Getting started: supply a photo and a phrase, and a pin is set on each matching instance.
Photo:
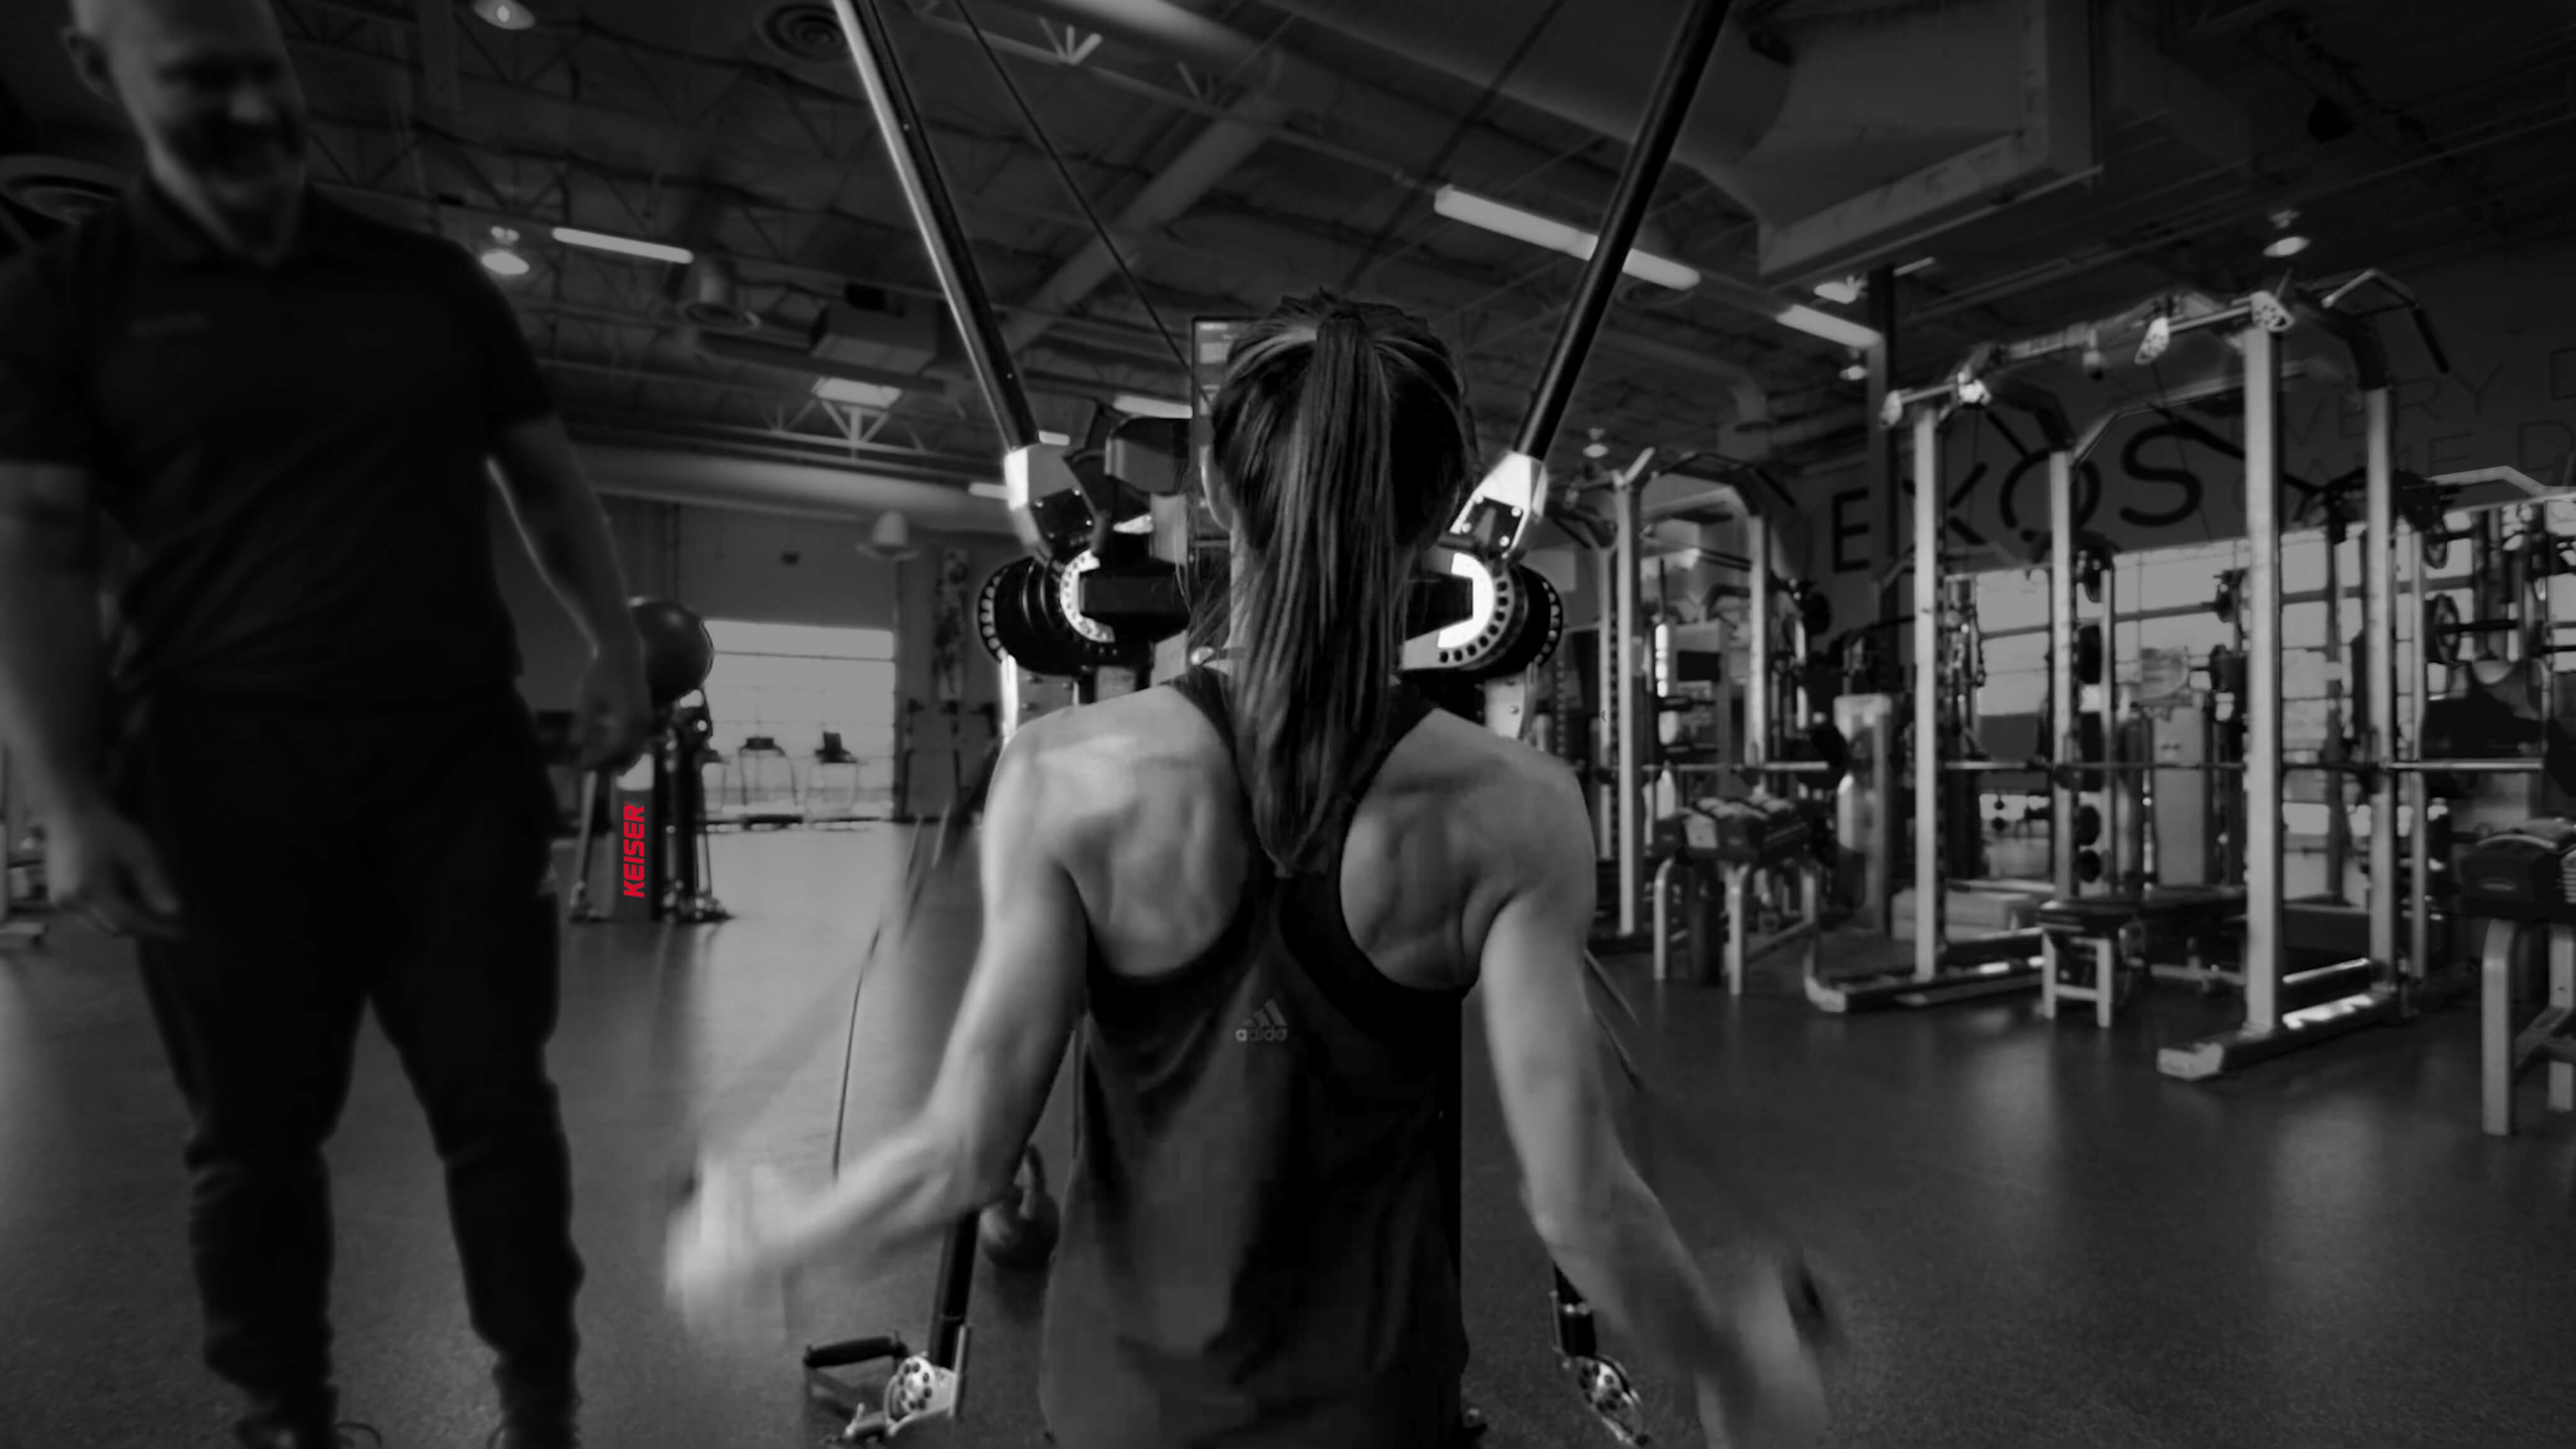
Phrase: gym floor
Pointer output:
(2033, 1238)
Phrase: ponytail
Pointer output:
(1342, 435)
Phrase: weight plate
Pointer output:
(1068, 596)
(1068, 651)
(1538, 624)
(2442, 630)
(1478, 653)
(1019, 631)
(988, 610)
(1816, 612)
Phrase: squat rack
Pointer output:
(2282, 1012)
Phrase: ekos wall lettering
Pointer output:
(2161, 479)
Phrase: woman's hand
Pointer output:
(1775, 1398)
(723, 1267)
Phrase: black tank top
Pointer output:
(1255, 1248)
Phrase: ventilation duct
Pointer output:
(60, 189)
(796, 489)
(714, 303)
(889, 333)
(1871, 132)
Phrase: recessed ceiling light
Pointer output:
(506, 14)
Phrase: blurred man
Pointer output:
(304, 779)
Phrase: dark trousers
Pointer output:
(329, 859)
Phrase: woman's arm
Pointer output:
(1021, 1005)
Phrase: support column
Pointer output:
(1605, 713)
(2262, 350)
(2419, 847)
(1927, 692)
(1880, 359)
(2062, 699)
(2379, 680)
(1757, 653)
(1631, 777)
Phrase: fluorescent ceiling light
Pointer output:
(1540, 231)
(1827, 326)
(624, 246)
(1141, 406)
(1056, 440)
(989, 490)
(857, 394)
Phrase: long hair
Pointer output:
(1344, 446)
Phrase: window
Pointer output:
(793, 682)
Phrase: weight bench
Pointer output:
(2076, 927)
(2201, 924)
(2507, 1048)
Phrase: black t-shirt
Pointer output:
(293, 457)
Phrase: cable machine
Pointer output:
(1095, 599)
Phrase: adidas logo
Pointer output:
(1267, 1024)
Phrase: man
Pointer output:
(305, 780)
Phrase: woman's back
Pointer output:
(1256, 1244)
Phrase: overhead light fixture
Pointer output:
(989, 490)
(1053, 440)
(1919, 264)
(1841, 291)
(2290, 242)
(502, 258)
(1137, 405)
(857, 394)
(1856, 372)
(505, 14)
(624, 246)
(1556, 236)
(1826, 325)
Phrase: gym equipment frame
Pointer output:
(1044, 493)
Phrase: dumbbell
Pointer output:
(1019, 1233)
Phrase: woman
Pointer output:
(1265, 892)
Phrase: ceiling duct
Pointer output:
(706, 480)
(1872, 132)
(805, 32)
(881, 332)
(59, 188)
(715, 299)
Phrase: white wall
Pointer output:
(740, 565)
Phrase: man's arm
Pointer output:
(53, 670)
(1021, 1006)
(1598, 1217)
(566, 530)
